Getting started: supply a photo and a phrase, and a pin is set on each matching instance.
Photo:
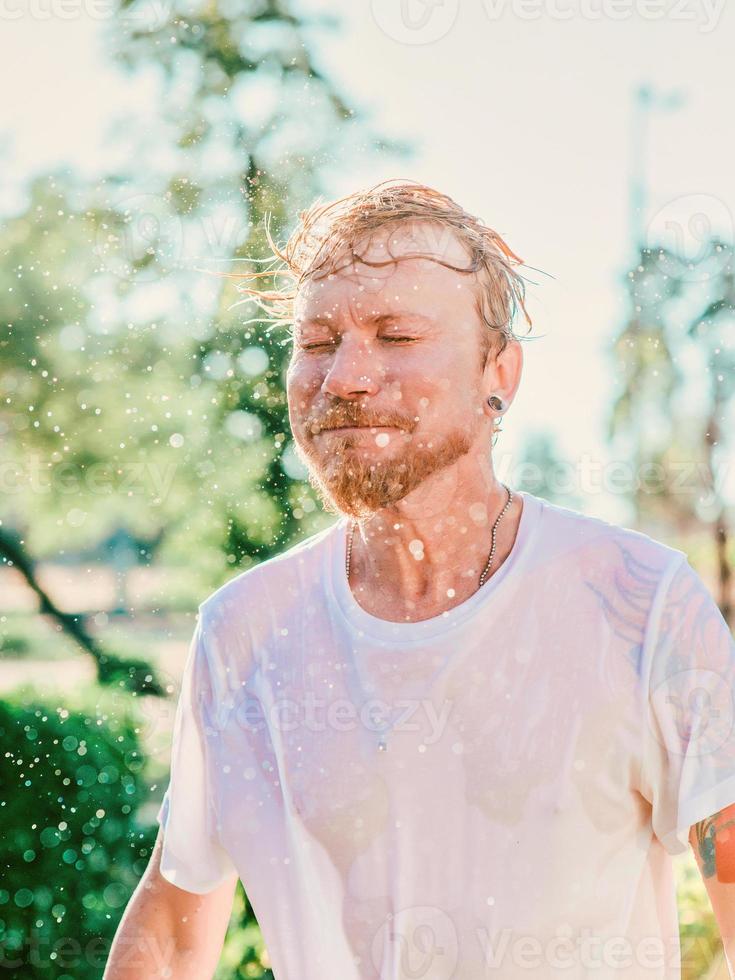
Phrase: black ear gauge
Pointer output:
(496, 403)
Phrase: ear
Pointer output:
(501, 377)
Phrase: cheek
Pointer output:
(303, 378)
(443, 403)
(423, 400)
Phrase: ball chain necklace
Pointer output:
(382, 744)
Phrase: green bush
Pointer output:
(72, 850)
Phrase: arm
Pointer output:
(713, 843)
(168, 932)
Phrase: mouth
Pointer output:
(358, 428)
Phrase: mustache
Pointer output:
(338, 418)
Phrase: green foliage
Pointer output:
(673, 355)
(698, 930)
(14, 645)
(244, 954)
(73, 847)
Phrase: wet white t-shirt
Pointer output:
(549, 742)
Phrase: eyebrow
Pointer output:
(329, 321)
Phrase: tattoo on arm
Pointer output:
(715, 844)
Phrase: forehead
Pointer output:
(393, 266)
(404, 238)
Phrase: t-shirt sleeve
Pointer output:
(689, 728)
(193, 857)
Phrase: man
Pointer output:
(460, 732)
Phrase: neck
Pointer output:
(426, 553)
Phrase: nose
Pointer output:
(353, 371)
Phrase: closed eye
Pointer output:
(330, 343)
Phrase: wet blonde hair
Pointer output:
(326, 230)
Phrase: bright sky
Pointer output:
(520, 109)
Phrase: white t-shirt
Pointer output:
(554, 737)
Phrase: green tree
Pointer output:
(674, 356)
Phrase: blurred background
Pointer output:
(145, 449)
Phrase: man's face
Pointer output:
(393, 351)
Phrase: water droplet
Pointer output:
(416, 547)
